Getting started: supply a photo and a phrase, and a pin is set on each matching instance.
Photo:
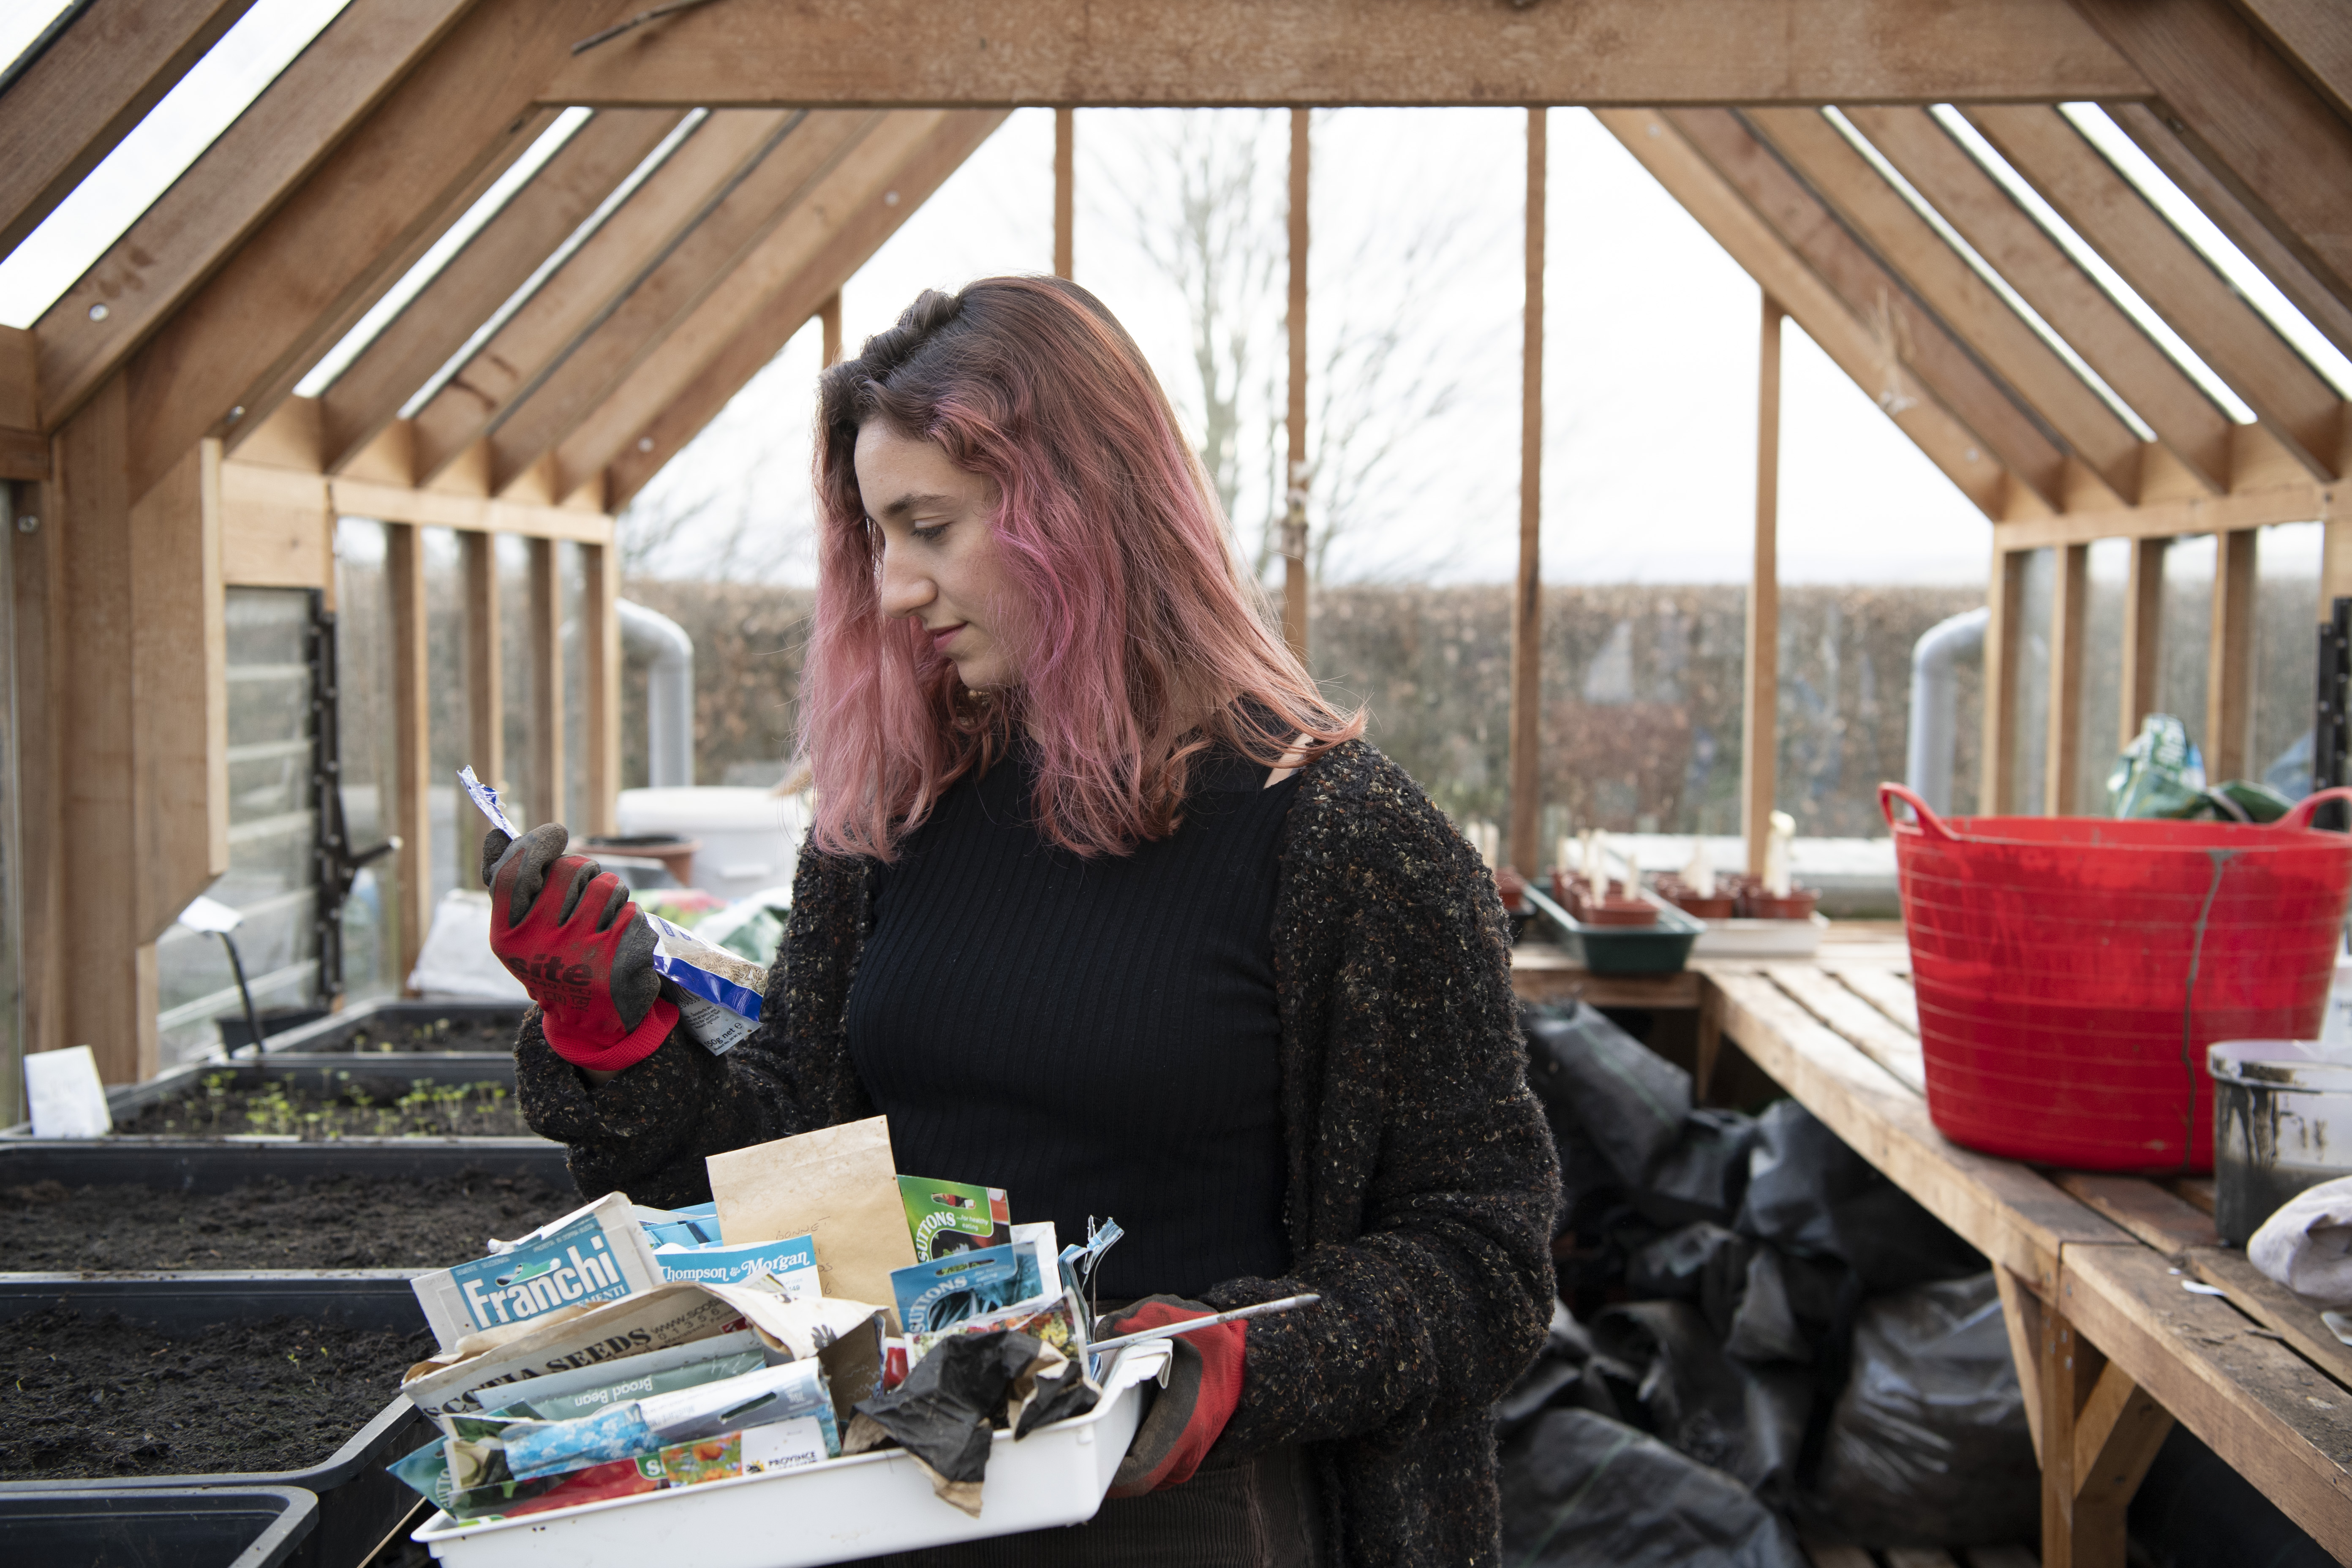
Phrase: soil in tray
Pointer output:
(326, 1222)
(366, 1105)
(90, 1395)
(378, 1035)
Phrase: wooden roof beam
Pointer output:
(2187, 421)
(1278, 53)
(723, 150)
(732, 335)
(2314, 37)
(1907, 330)
(2247, 231)
(195, 226)
(1810, 301)
(702, 261)
(2293, 403)
(65, 110)
(483, 276)
(367, 212)
(1909, 246)
(2250, 114)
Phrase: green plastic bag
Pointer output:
(2160, 774)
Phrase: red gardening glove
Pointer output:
(1203, 1385)
(566, 929)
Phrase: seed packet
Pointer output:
(792, 1264)
(1059, 1321)
(540, 1405)
(954, 1216)
(590, 1256)
(959, 1284)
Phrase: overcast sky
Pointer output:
(1650, 361)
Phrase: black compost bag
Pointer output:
(1746, 1421)
(1929, 1444)
(1786, 1308)
(1809, 1195)
(1703, 1264)
(1581, 1490)
(1605, 1089)
(2194, 1511)
(1704, 1174)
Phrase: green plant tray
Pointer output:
(1661, 948)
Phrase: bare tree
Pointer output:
(1382, 378)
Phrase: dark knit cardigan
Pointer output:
(1421, 1181)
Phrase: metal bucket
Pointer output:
(2282, 1122)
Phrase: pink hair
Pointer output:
(1146, 644)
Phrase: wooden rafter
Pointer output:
(1910, 248)
(1904, 329)
(1281, 53)
(681, 386)
(632, 239)
(2293, 403)
(196, 225)
(2314, 37)
(734, 231)
(98, 77)
(480, 278)
(1825, 317)
(2329, 313)
(367, 212)
(2250, 114)
(2046, 277)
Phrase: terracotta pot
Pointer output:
(1796, 906)
(1512, 886)
(1620, 912)
(1718, 908)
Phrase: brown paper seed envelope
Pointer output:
(837, 1185)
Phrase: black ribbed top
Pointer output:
(1094, 1037)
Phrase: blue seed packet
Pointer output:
(933, 1296)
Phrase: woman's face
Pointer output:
(941, 564)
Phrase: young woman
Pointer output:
(1105, 906)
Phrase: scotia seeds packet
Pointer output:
(954, 1216)
(589, 1256)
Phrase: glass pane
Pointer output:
(2097, 738)
(363, 652)
(2032, 684)
(571, 581)
(2287, 655)
(514, 666)
(2187, 633)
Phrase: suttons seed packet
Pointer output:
(956, 1286)
(954, 1216)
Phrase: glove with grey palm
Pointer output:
(566, 929)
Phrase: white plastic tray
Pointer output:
(1760, 939)
(838, 1511)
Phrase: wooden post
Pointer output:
(2063, 749)
(36, 585)
(2099, 1432)
(828, 318)
(600, 641)
(2230, 657)
(2143, 636)
(1997, 784)
(1759, 743)
(546, 686)
(1526, 854)
(412, 820)
(1066, 175)
(1294, 521)
(486, 718)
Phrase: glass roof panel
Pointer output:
(159, 148)
(428, 266)
(2185, 216)
(2126, 297)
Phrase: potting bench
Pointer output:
(2124, 1312)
